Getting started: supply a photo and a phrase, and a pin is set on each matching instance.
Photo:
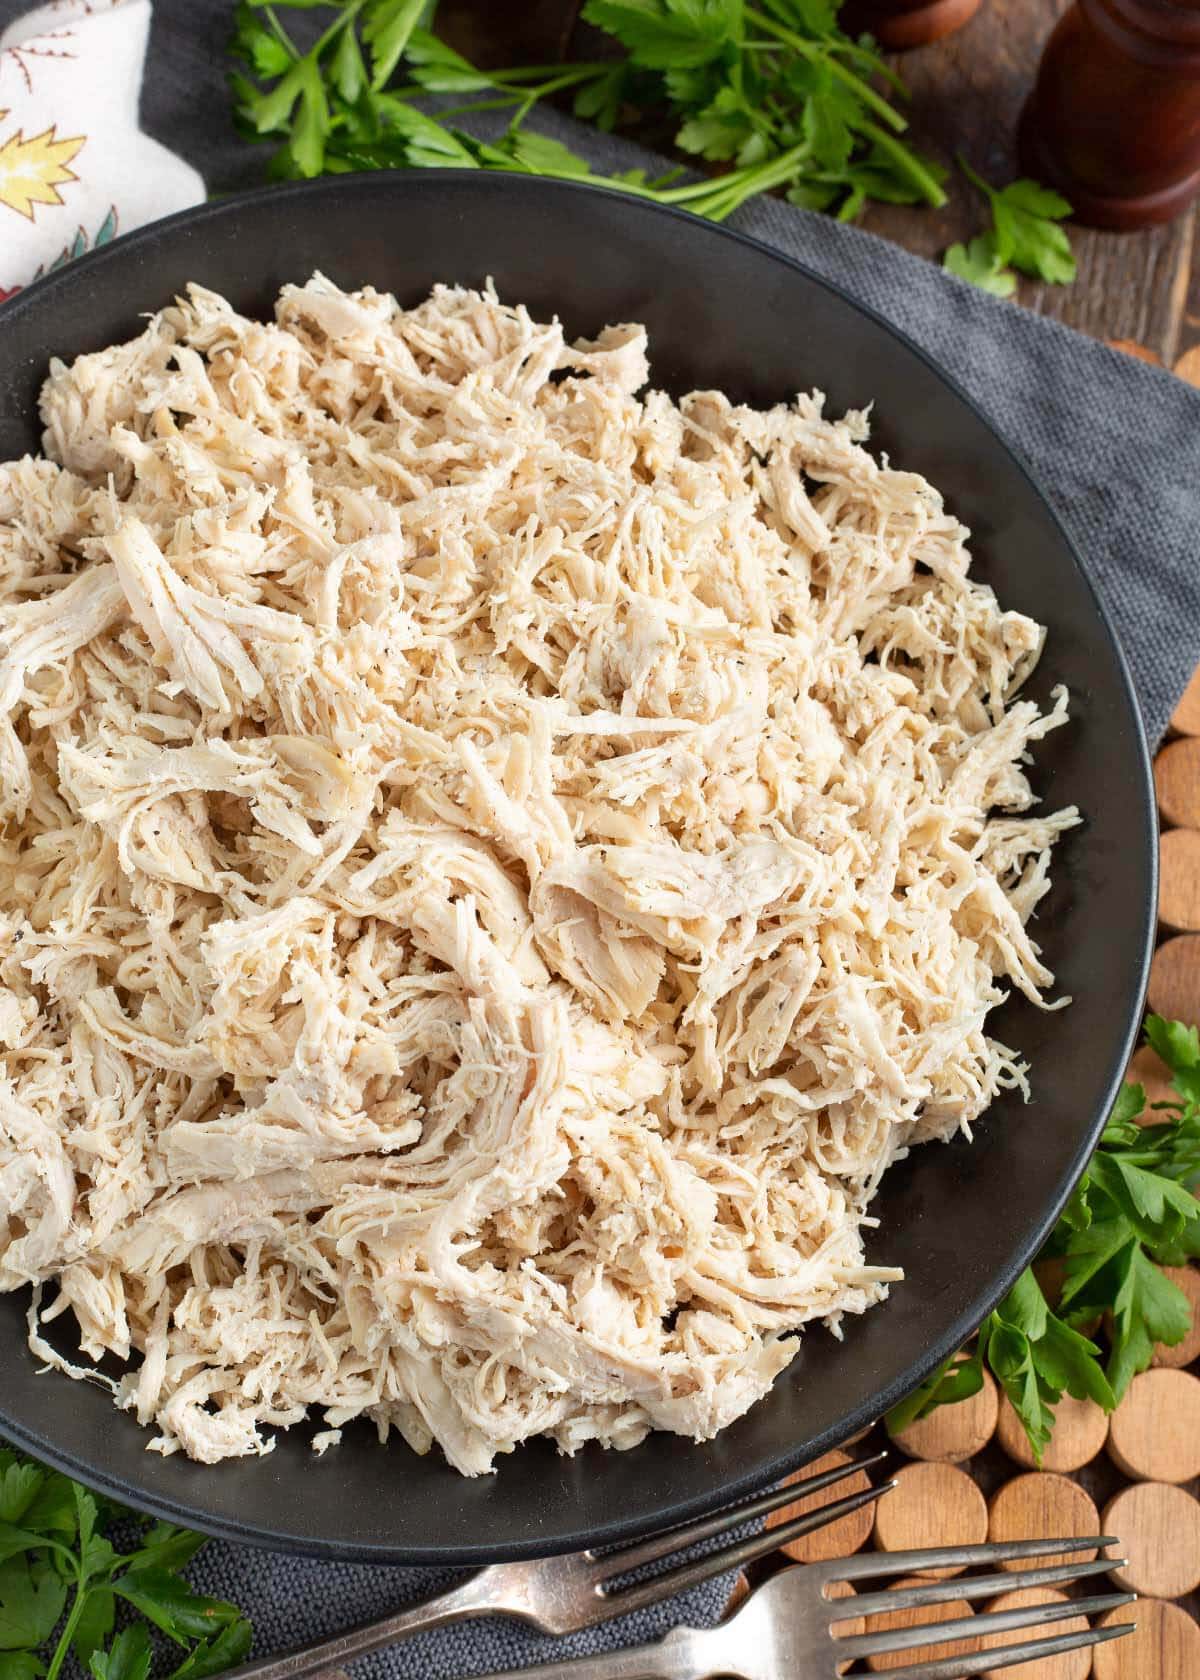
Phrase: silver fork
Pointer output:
(786, 1630)
(564, 1594)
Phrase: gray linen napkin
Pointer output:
(1114, 444)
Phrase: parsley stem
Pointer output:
(813, 49)
(82, 1589)
(344, 21)
(905, 161)
(719, 198)
(281, 34)
(530, 72)
(530, 96)
(976, 181)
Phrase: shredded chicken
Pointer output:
(493, 869)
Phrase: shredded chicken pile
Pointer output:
(493, 870)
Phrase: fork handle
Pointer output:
(478, 1595)
(685, 1654)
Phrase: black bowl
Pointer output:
(961, 1219)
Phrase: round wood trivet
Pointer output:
(1165, 1646)
(852, 1626)
(1154, 1434)
(1188, 367)
(950, 1612)
(1186, 716)
(1131, 347)
(931, 1505)
(1179, 880)
(738, 1593)
(1080, 1431)
(1177, 782)
(1175, 983)
(1072, 1665)
(1042, 1506)
(953, 1433)
(1158, 1532)
(853, 1440)
(838, 1539)
(1185, 1352)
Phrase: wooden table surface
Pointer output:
(966, 94)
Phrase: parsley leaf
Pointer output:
(1147, 1308)
(1025, 231)
(20, 1665)
(224, 1650)
(165, 1599)
(980, 262)
(667, 34)
(128, 1658)
(32, 1597)
(1027, 217)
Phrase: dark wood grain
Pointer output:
(967, 92)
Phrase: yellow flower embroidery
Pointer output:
(31, 171)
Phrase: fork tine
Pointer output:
(983, 1662)
(972, 1627)
(964, 1557)
(732, 1516)
(671, 1581)
(964, 1586)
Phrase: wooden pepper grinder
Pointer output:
(900, 24)
(1113, 120)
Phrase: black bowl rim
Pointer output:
(245, 1530)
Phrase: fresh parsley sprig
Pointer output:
(776, 96)
(62, 1582)
(1132, 1213)
(1025, 235)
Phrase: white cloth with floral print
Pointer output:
(75, 170)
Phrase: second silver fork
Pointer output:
(788, 1628)
(564, 1594)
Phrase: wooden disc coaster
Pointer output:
(950, 1612)
(1042, 1506)
(838, 1539)
(1147, 1068)
(1154, 1434)
(1072, 1665)
(1080, 1431)
(1186, 716)
(852, 1626)
(931, 1505)
(1177, 782)
(1158, 1533)
(1185, 1352)
(951, 1434)
(1179, 880)
(1175, 984)
(738, 1593)
(1164, 1646)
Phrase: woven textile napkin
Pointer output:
(75, 170)
(1114, 444)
